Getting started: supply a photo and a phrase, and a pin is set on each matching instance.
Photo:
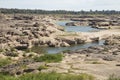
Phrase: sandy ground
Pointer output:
(101, 70)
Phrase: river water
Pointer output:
(76, 28)
(53, 50)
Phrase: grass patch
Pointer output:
(6, 77)
(42, 67)
(112, 77)
(36, 49)
(4, 62)
(49, 76)
(49, 58)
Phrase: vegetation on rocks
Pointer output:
(49, 58)
(48, 76)
(4, 62)
(42, 67)
(36, 49)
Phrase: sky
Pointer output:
(74, 5)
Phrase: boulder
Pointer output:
(53, 44)
(70, 41)
(109, 58)
(22, 46)
(70, 24)
(11, 53)
(36, 25)
(2, 56)
(80, 40)
(64, 44)
(16, 68)
(112, 40)
(96, 39)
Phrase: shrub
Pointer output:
(6, 77)
(49, 58)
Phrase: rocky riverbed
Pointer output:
(100, 61)
(25, 31)
(19, 32)
(100, 22)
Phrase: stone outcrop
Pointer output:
(21, 31)
(112, 40)
(25, 31)
(100, 22)
(77, 24)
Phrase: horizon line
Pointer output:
(58, 9)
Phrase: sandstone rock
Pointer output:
(52, 64)
(109, 58)
(11, 53)
(36, 72)
(36, 24)
(2, 56)
(22, 46)
(116, 53)
(70, 24)
(15, 68)
(64, 44)
(3, 40)
(28, 70)
(96, 39)
(85, 23)
(21, 17)
(69, 41)
(47, 70)
(53, 43)
(61, 70)
(35, 65)
(80, 40)
(112, 40)
(117, 64)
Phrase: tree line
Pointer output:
(37, 11)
